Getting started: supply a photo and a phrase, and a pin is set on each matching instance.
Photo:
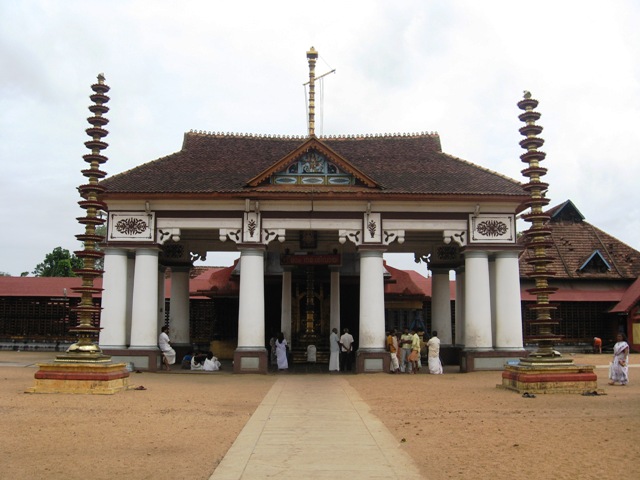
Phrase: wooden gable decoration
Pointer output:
(596, 263)
(313, 163)
(567, 212)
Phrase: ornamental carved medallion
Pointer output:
(492, 228)
(131, 226)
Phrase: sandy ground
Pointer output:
(453, 426)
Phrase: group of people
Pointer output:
(192, 361)
(340, 351)
(206, 362)
(406, 351)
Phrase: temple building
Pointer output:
(311, 218)
(596, 276)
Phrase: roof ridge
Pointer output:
(208, 133)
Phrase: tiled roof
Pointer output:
(41, 286)
(630, 299)
(217, 163)
(575, 241)
(405, 283)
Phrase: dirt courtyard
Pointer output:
(453, 426)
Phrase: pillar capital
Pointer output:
(371, 252)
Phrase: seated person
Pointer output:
(211, 363)
(197, 361)
(186, 361)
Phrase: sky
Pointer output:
(453, 67)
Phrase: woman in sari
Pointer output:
(619, 371)
(281, 352)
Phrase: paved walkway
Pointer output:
(315, 427)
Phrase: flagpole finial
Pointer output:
(312, 56)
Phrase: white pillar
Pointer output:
(492, 298)
(179, 305)
(477, 305)
(508, 310)
(441, 305)
(460, 294)
(371, 335)
(285, 316)
(113, 318)
(334, 315)
(251, 311)
(144, 311)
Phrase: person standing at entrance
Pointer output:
(435, 365)
(392, 348)
(405, 351)
(281, 352)
(334, 351)
(168, 353)
(346, 349)
(414, 356)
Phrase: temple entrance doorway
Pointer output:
(311, 310)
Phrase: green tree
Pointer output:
(59, 263)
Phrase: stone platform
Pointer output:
(81, 378)
(550, 378)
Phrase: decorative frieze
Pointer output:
(372, 228)
(165, 234)
(131, 227)
(457, 236)
(354, 236)
(269, 235)
(251, 227)
(390, 236)
(487, 228)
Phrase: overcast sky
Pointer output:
(455, 67)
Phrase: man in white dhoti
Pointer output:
(168, 353)
(435, 365)
(334, 351)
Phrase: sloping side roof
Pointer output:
(405, 283)
(223, 164)
(630, 299)
(574, 243)
(42, 286)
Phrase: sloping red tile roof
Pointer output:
(41, 286)
(630, 299)
(223, 164)
(405, 283)
(217, 283)
(574, 242)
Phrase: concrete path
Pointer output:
(315, 427)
